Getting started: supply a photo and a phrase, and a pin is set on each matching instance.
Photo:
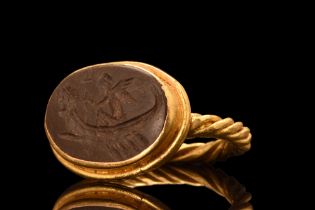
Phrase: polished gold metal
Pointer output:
(232, 139)
(180, 124)
(196, 175)
(106, 195)
(119, 193)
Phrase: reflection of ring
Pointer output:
(118, 193)
(93, 194)
(118, 119)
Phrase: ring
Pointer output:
(116, 120)
(121, 193)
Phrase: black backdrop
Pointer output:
(225, 72)
(220, 77)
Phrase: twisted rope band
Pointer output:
(233, 139)
(213, 179)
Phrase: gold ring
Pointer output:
(116, 120)
(121, 193)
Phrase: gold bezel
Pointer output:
(173, 134)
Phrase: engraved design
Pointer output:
(107, 113)
(107, 107)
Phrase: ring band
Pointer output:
(232, 139)
(116, 120)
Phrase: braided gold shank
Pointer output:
(233, 139)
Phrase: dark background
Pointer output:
(229, 67)
(221, 76)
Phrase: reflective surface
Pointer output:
(232, 69)
(120, 194)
